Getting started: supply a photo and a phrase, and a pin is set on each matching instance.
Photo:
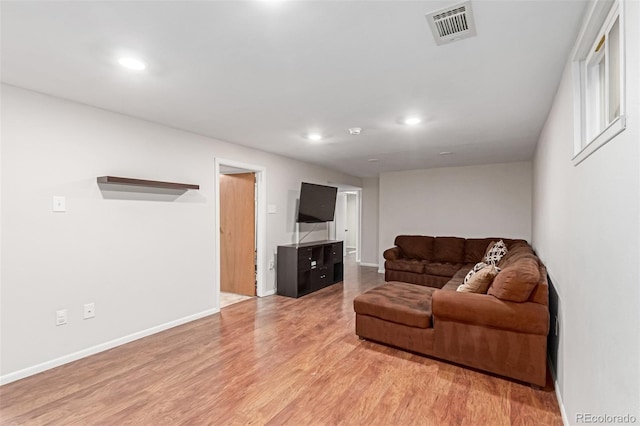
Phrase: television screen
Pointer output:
(317, 203)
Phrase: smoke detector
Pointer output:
(355, 130)
(453, 23)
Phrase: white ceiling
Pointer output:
(263, 74)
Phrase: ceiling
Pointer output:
(264, 74)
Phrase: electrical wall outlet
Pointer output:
(61, 317)
(89, 310)
(59, 204)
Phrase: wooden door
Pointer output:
(237, 234)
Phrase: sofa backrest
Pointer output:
(448, 249)
(475, 248)
(416, 246)
(514, 242)
(515, 252)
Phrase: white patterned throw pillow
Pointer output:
(495, 252)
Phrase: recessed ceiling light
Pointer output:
(412, 120)
(355, 130)
(132, 64)
(446, 153)
(314, 136)
(372, 160)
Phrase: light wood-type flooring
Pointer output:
(227, 299)
(276, 361)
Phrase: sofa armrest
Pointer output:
(489, 311)
(393, 253)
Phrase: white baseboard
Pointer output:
(563, 412)
(269, 293)
(39, 368)
(381, 270)
(375, 265)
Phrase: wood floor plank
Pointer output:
(272, 360)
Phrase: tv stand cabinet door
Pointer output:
(337, 262)
(321, 278)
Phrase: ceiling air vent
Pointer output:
(453, 23)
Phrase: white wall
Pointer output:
(144, 263)
(474, 201)
(586, 230)
(369, 249)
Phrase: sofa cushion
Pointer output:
(480, 281)
(415, 246)
(540, 293)
(478, 266)
(448, 249)
(402, 303)
(516, 282)
(415, 266)
(495, 252)
(454, 282)
(475, 248)
(515, 254)
(442, 269)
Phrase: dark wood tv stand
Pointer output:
(307, 267)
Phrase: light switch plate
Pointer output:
(59, 204)
(272, 209)
(61, 317)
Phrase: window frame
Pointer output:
(600, 20)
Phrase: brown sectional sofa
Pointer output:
(432, 318)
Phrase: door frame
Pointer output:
(359, 241)
(261, 224)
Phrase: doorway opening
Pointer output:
(240, 231)
(351, 240)
(237, 236)
(347, 224)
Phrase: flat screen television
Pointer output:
(317, 203)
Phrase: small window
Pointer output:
(599, 80)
